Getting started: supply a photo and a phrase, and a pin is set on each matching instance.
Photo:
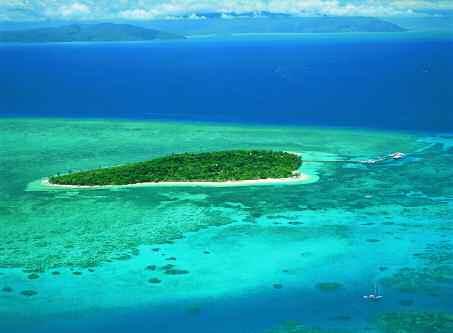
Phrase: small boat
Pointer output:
(374, 297)
(397, 156)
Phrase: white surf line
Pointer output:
(333, 161)
(393, 156)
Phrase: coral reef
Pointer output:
(434, 271)
(7, 289)
(329, 286)
(175, 271)
(29, 293)
(295, 327)
(415, 322)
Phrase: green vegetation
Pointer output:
(189, 167)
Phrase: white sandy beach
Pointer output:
(269, 181)
(298, 177)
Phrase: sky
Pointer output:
(39, 10)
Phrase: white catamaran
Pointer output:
(375, 296)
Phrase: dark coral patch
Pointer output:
(373, 240)
(194, 310)
(416, 322)
(175, 271)
(124, 257)
(329, 286)
(167, 267)
(29, 293)
(295, 223)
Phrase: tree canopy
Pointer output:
(218, 166)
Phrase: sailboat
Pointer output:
(374, 296)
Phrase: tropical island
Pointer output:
(101, 32)
(213, 167)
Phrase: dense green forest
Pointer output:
(213, 166)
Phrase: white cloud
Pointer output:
(296, 7)
(227, 16)
(423, 4)
(172, 10)
(152, 9)
(74, 9)
(194, 16)
(137, 14)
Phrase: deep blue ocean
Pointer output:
(359, 81)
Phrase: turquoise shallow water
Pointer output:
(245, 259)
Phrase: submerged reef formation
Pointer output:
(86, 242)
(188, 167)
(295, 327)
(393, 322)
(434, 271)
(49, 229)
(415, 322)
(329, 286)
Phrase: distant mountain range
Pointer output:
(102, 32)
(263, 22)
(205, 23)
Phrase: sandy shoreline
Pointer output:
(299, 177)
(269, 181)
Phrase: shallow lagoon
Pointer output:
(246, 259)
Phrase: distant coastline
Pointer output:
(100, 32)
(214, 24)
(59, 32)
